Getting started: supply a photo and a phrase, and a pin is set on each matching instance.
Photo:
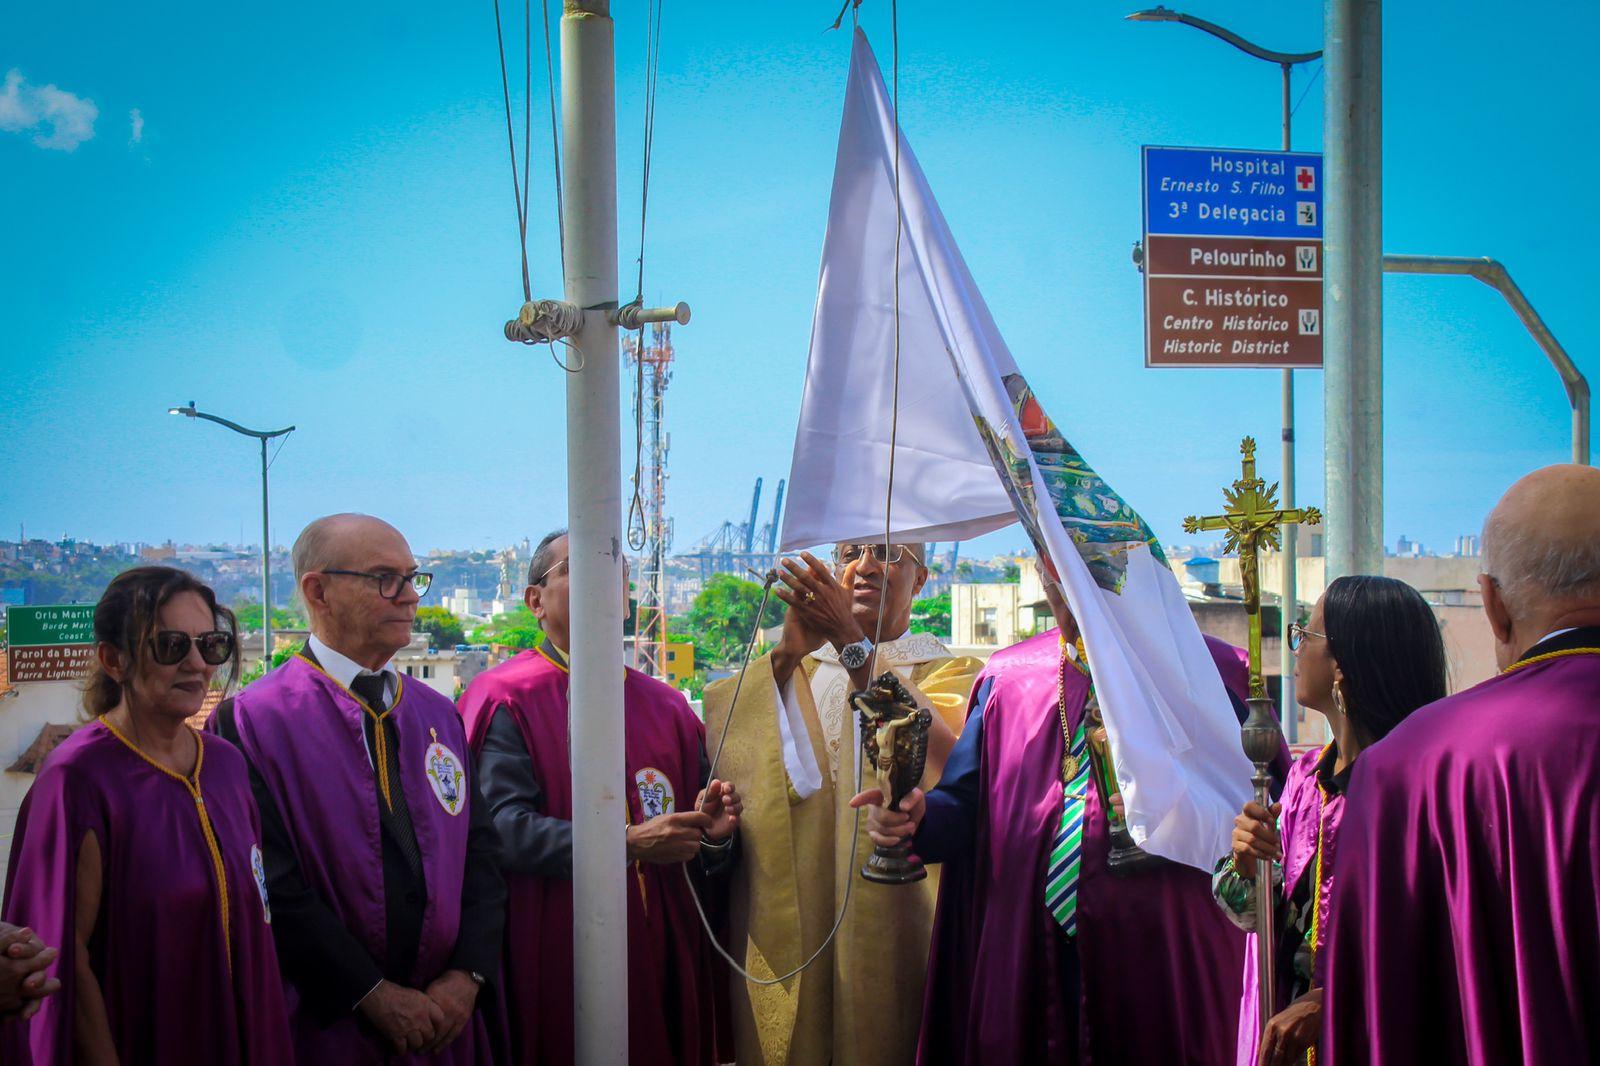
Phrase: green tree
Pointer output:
(1013, 572)
(255, 670)
(722, 619)
(249, 616)
(515, 629)
(932, 615)
(443, 628)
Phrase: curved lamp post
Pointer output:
(266, 542)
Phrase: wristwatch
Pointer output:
(854, 656)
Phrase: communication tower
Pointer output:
(648, 521)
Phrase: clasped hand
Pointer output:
(889, 828)
(675, 838)
(1255, 836)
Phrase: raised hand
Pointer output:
(720, 802)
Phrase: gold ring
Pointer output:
(810, 595)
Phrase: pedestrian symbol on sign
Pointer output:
(1305, 258)
(1305, 179)
(1305, 212)
(1310, 321)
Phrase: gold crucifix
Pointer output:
(1252, 520)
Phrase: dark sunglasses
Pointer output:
(171, 647)
(390, 584)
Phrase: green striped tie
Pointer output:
(1066, 853)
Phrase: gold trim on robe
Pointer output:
(861, 1001)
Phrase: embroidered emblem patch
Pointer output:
(655, 792)
(258, 870)
(445, 775)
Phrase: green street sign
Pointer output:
(28, 627)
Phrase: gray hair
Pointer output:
(544, 556)
(1532, 566)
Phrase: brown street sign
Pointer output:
(1232, 258)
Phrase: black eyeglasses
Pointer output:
(390, 584)
(1298, 634)
(171, 646)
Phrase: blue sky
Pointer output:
(309, 222)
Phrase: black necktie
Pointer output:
(370, 688)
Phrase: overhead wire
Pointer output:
(1303, 92)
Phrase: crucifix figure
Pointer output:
(1252, 522)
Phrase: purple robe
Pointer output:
(185, 979)
(303, 733)
(676, 989)
(1466, 911)
(1159, 962)
(1305, 813)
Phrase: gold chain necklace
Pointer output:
(1069, 761)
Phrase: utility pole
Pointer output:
(1353, 274)
(589, 316)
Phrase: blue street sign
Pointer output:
(1226, 192)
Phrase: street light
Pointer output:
(266, 541)
(1289, 602)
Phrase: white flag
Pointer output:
(974, 452)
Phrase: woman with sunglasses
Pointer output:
(137, 851)
(1370, 655)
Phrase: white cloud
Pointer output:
(28, 108)
(136, 126)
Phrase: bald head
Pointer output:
(1541, 543)
(330, 541)
(1541, 558)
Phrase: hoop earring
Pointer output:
(1338, 701)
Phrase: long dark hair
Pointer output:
(126, 618)
(1386, 641)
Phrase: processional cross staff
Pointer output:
(1252, 522)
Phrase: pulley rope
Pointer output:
(638, 534)
(772, 575)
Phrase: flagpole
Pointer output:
(594, 507)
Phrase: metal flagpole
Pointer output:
(594, 506)
(1353, 273)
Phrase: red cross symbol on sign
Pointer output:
(1305, 178)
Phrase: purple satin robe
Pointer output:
(181, 984)
(302, 731)
(1466, 906)
(677, 992)
(1159, 961)
(1305, 814)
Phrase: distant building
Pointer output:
(998, 614)
(1467, 546)
(678, 662)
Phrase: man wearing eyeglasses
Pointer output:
(517, 720)
(793, 733)
(379, 852)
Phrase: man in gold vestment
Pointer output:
(794, 739)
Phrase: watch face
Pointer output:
(853, 656)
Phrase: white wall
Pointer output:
(24, 711)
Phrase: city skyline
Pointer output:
(332, 245)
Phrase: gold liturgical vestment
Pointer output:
(860, 1003)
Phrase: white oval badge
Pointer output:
(446, 777)
(655, 792)
(258, 870)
